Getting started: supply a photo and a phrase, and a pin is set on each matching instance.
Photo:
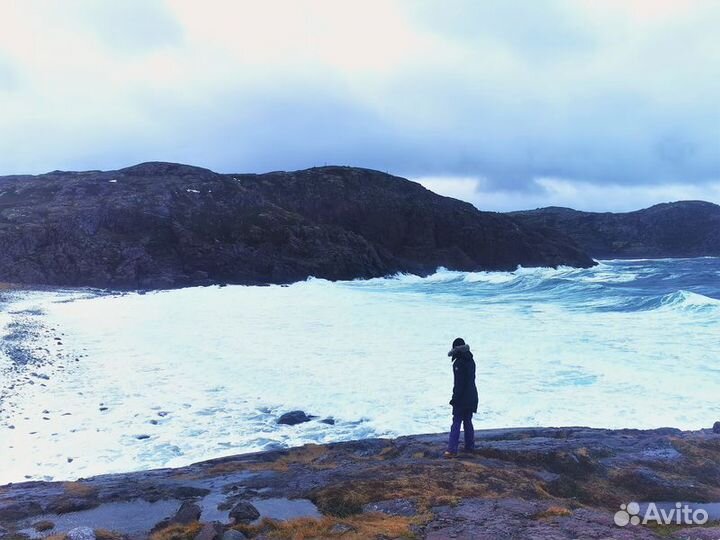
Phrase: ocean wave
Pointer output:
(680, 301)
(443, 275)
(605, 287)
(521, 279)
(689, 301)
(656, 260)
(609, 276)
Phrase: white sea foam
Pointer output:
(214, 367)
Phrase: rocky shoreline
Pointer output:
(519, 483)
(34, 350)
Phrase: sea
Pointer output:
(93, 382)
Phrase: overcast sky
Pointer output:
(596, 104)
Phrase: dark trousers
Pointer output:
(465, 418)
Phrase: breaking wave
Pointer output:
(178, 376)
(626, 286)
(689, 301)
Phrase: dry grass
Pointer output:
(314, 456)
(554, 512)
(177, 532)
(220, 469)
(104, 534)
(78, 489)
(389, 452)
(359, 527)
(310, 455)
(701, 458)
(428, 484)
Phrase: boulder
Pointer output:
(293, 418)
(716, 427)
(187, 513)
(341, 528)
(210, 531)
(244, 512)
(44, 525)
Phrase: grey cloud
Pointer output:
(537, 31)
(284, 128)
(565, 100)
(127, 27)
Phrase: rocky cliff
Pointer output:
(161, 225)
(542, 483)
(680, 229)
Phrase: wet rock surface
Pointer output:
(210, 531)
(480, 519)
(233, 535)
(164, 225)
(520, 483)
(293, 418)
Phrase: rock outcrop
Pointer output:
(293, 418)
(540, 483)
(163, 225)
(680, 229)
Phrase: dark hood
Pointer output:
(461, 350)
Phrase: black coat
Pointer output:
(465, 394)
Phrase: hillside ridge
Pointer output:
(676, 229)
(162, 225)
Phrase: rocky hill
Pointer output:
(541, 483)
(162, 225)
(680, 229)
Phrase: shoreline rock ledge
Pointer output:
(552, 483)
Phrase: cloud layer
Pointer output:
(533, 102)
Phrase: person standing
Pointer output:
(464, 398)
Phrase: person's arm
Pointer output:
(470, 377)
(459, 386)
